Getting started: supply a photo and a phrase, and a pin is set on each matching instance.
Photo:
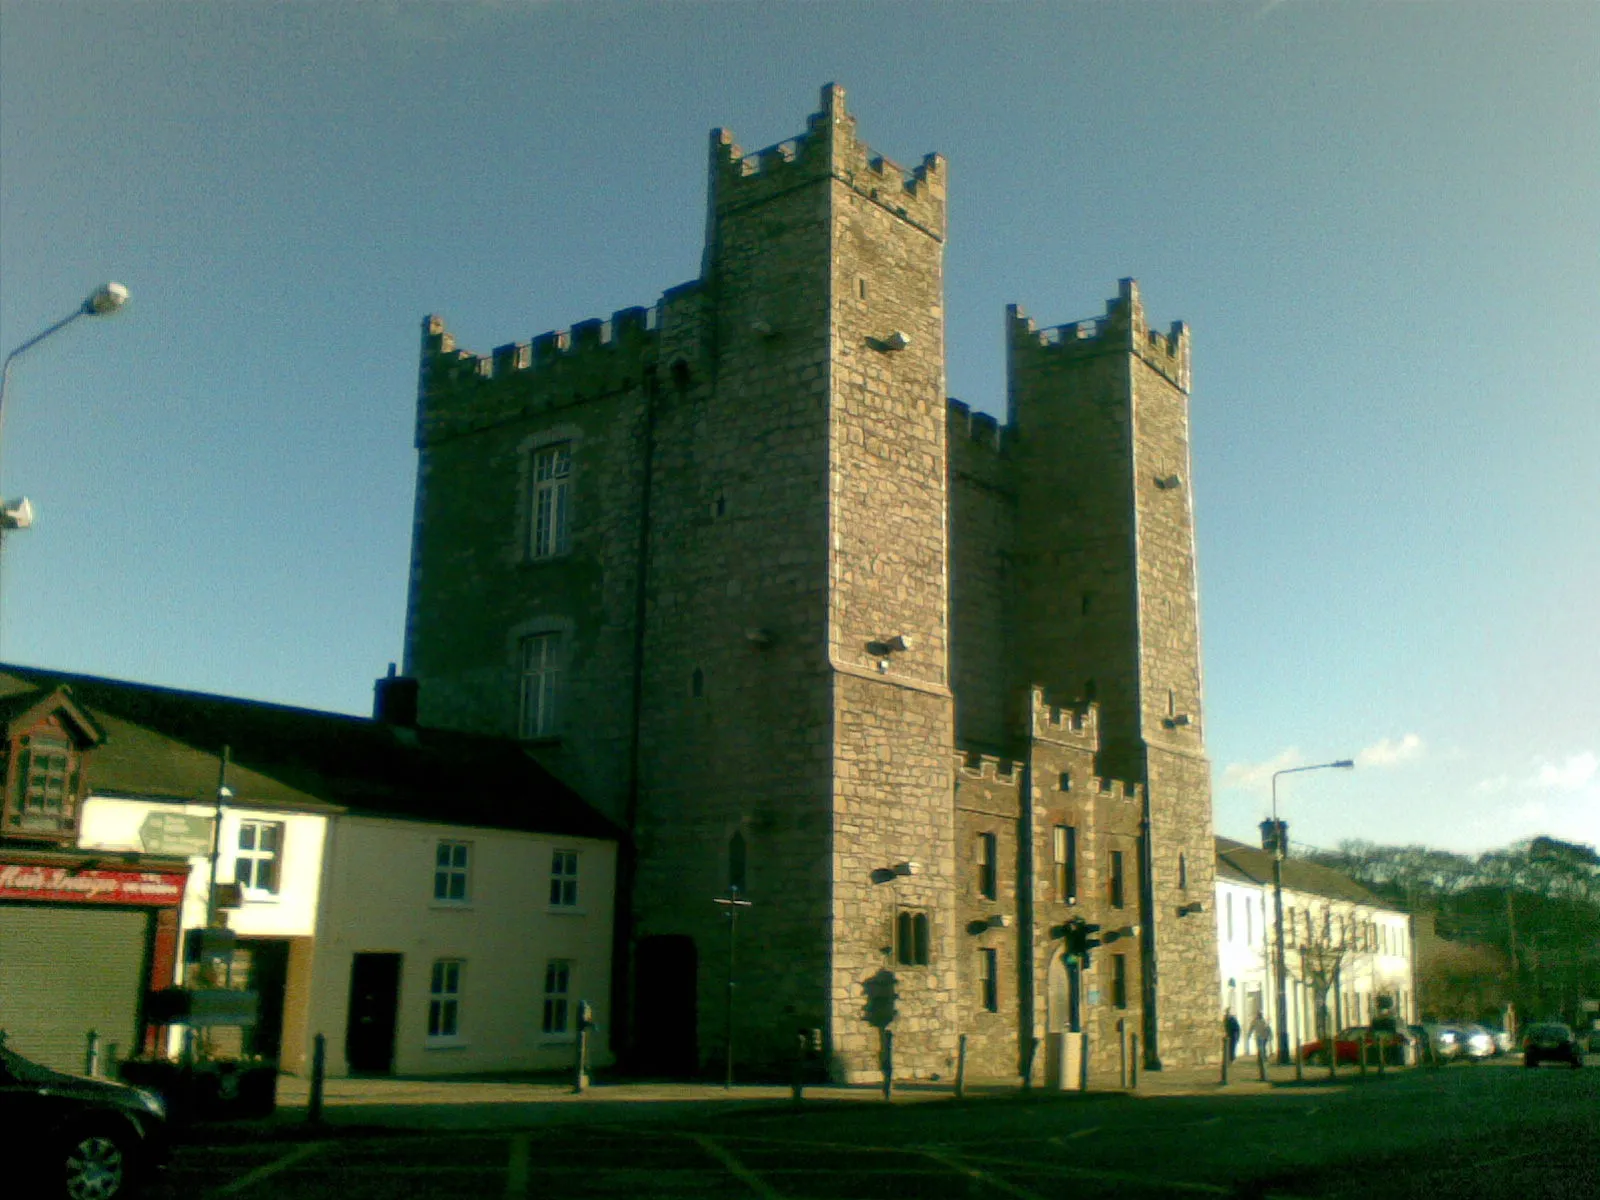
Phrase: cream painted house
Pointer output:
(1349, 954)
(477, 944)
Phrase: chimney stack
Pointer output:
(394, 699)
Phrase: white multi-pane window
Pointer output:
(564, 879)
(540, 685)
(45, 772)
(255, 863)
(444, 999)
(452, 864)
(557, 988)
(552, 483)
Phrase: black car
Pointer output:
(77, 1138)
(1550, 1042)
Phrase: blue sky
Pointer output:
(1382, 222)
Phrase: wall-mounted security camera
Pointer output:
(16, 516)
(897, 341)
(1167, 482)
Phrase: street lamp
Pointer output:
(1279, 847)
(103, 301)
(731, 904)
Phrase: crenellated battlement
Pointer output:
(627, 328)
(975, 764)
(828, 148)
(979, 428)
(1075, 724)
(460, 390)
(1116, 790)
(1122, 328)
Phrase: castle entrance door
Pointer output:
(1063, 1024)
(666, 1017)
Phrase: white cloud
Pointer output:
(1257, 777)
(1494, 785)
(1576, 772)
(1388, 752)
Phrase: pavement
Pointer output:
(460, 1105)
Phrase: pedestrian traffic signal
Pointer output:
(1081, 937)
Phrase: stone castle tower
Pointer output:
(921, 687)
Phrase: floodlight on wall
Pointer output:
(758, 637)
(999, 921)
(909, 867)
(1167, 482)
(1191, 908)
(897, 341)
(763, 329)
(18, 515)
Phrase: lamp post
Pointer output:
(1279, 847)
(731, 905)
(103, 301)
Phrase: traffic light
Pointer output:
(1088, 939)
(1081, 938)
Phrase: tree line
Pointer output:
(1518, 925)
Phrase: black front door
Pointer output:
(374, 997)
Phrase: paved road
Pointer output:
(1465, 1133)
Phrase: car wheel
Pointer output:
(97, 1167)
(1529, 1062)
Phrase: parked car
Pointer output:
(1550, 1042)
(1442, 1039)
(1477, 1043)
(1398, 1048)
(75, 1138)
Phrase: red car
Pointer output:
(1397, 1048)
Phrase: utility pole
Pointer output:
(731, 904)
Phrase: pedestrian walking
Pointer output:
(1262, 1033)
(1230, 1026)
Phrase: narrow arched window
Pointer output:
(1183, 872)
(737, 852)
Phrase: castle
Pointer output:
(922, 687)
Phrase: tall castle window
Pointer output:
(911, 939)
(1118, 881)
(1064, 852)
(989, 978)
(736, 862)
(539, 685)
(988, 867)
(551, 507)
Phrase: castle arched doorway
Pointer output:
(665, 1006)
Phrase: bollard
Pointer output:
(1361, 1055)
(1299, 1062)
(797, 1087)
(1227, 1044)
(1261, 1059)
(1133, 1062)
(319, 1068)
(888, 1064)
(91, 1055)
(961, 1067)
(1383, 1049)
(1331, 1046)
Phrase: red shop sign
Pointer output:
(27, 882)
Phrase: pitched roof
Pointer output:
(163, 743)
(1244, 863)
